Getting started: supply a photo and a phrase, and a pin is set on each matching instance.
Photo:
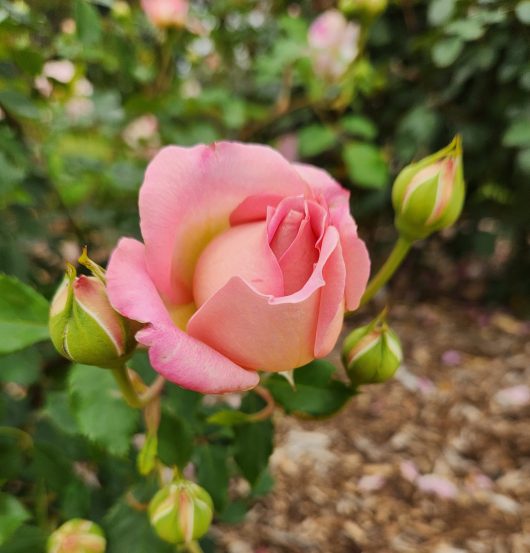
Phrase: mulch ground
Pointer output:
(435, 461)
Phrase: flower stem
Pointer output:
(267, 411)
(121, 375)
(194, 547)
(397, 255)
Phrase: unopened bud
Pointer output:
(363, 7)
(84, 327)
(372, 353)
(77, 536)
(181, 512)
(428, 195)
(166, 13)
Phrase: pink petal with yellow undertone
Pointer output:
(254, 208)
(354, 250)
(241, 251)
(174, 354)
(188, 195)
(262, 332)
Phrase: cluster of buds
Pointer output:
(181, 512)
(372, 354)
(428, 196)
(77, 536)
(84, 327)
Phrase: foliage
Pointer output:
(90, 89)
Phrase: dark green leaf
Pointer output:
(87, 22)
(18, 105)
(212, 472)
(253, 441)
(175, 440)
(23, 315)
(101, 413)
(316, 393)
(21, 367)
(27, 539)
(517, 134)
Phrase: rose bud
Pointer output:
(333, 44)
(428, 195)
(77, 536)
(166, 13)
(83, 325)
(369, 8)
(181, 512)
(372, 353)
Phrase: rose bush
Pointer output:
(248, 264)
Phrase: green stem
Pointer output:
(194, 547)
(397, 255)
(121, 376)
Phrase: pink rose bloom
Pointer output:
(166, 13)
(248, 264)
(333, 44)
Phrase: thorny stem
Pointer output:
(123, 379)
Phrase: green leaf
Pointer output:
(517, 134)
(316, 393)
(212, 472)
(101, 413)
(523, 161)
(365, 165)
(12, 515)
(23, 315)
(315, 139)
(18, 105)
(440, 11)
(466, 29)
(146, 460)
(27, 539)
(360, 127)
(58, 410)
(21, 367)
(446, 51)
(228, 417)
(87, 22)
(129, 531)
(522, 11)
(253, 441)
(175, 440)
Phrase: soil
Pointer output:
(436, 460)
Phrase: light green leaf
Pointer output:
(228, 417)
(315, 139)
(522, 11)
(23, 315)
(523, 161)
(365, 165)
(317, 394)
(101, 413)
(360, 127)
(517, 134)
(466, 29)
(12, 515)
(446, 51)
(440, 11)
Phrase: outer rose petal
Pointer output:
(188, 195)
(261, 332)
(353, 248)
(173, 353)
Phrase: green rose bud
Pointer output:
(372, 353)
(428, 195)
(83, 325)
(77, 536)
(363, 7)
(181, 512)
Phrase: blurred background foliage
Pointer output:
(89, 90)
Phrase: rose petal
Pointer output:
(188, 195)
(177, 356)
(354, 250)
